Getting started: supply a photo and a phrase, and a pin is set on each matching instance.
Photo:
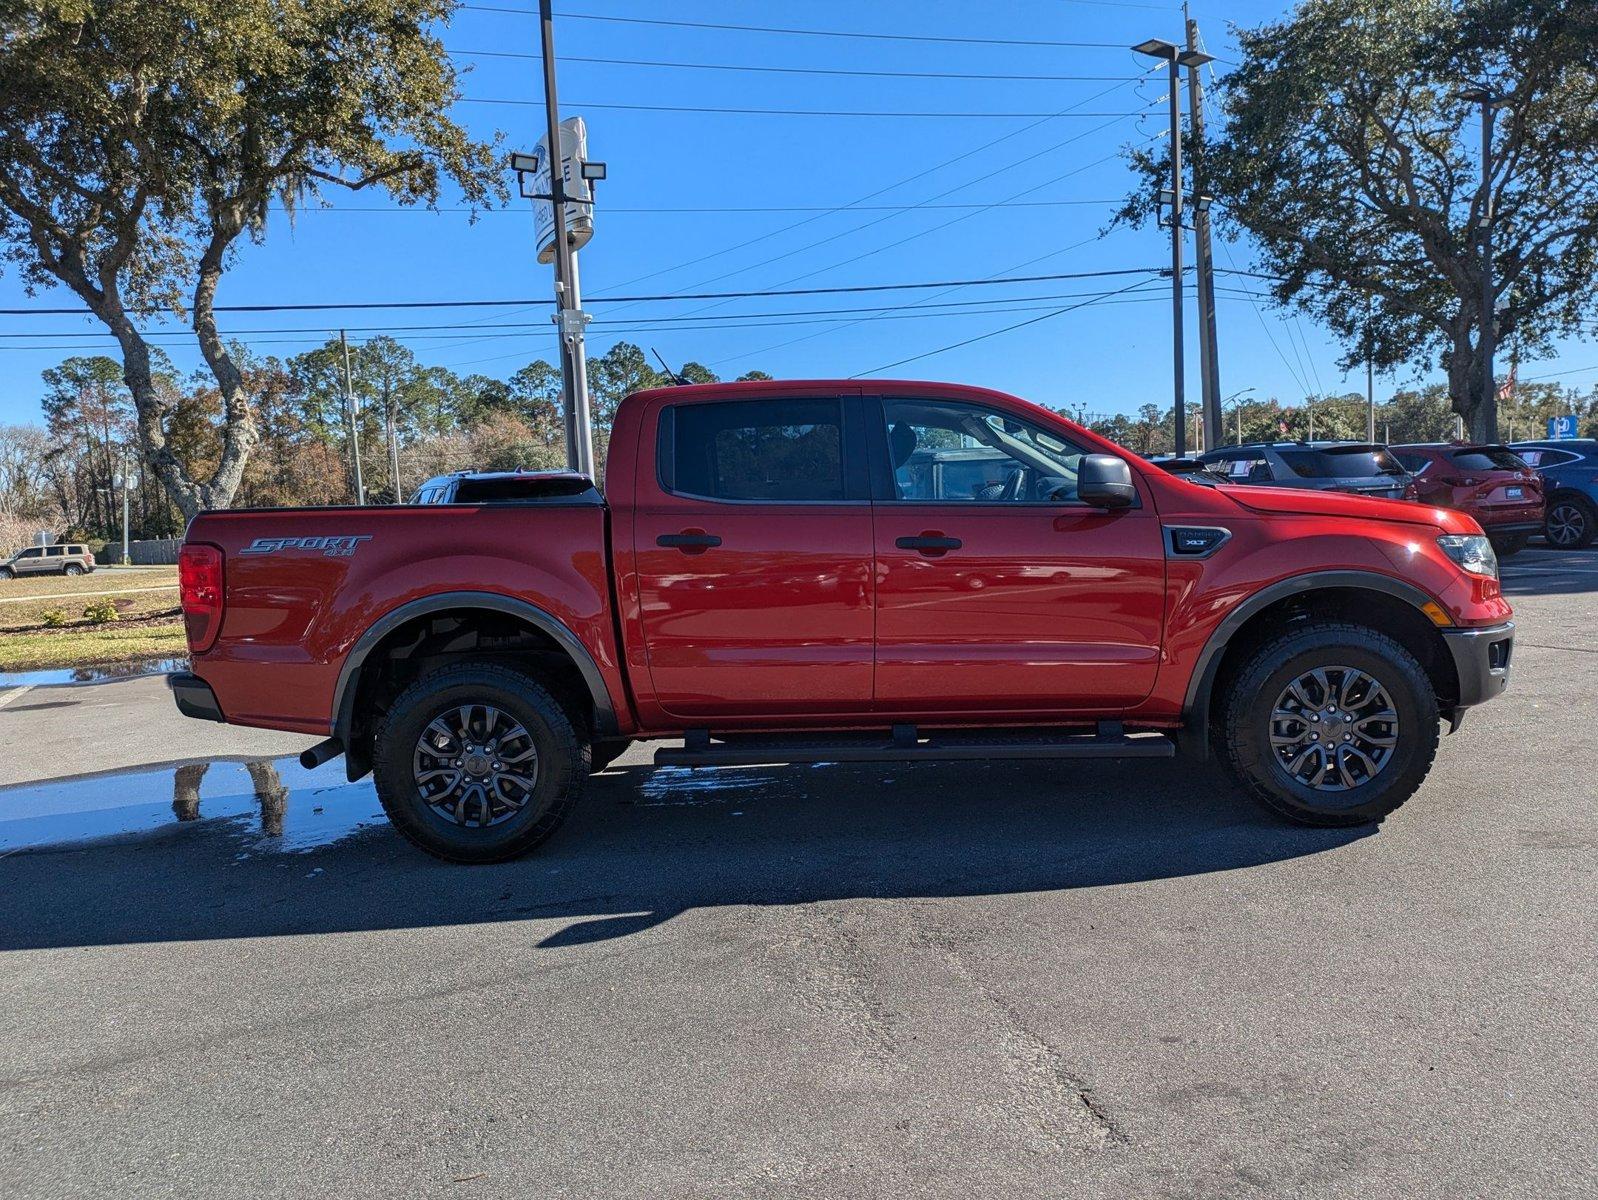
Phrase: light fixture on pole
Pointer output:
(1238, 396)
(1175, 58)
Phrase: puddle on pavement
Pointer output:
(100, 674)
(272, 806)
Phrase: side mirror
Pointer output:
(1105, 481)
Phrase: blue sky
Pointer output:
(1052, 182)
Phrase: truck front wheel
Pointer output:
(478, 763)
(1330, 724)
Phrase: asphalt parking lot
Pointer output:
(1099, 980)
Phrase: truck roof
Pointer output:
(871, 387)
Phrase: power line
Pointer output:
(321, 337)
(791, 32)
(908, 179)
(978, 303)
(922, 233)
(409, 304)
(793, 112)
(996, 332)
(759, 69)
(609, 211)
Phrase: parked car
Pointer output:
(784, 572)
(1569, 470)
(1491, 483)
(1193, 470)
(67, 559)
(1359, 467)
(498, 487)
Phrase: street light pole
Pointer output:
(1175, 58)
(1209, 365)
(569, 316)
(1489, 102)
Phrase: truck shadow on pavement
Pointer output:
(650, 843)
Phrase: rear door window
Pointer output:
(777, 450)
(1487, 458)
(1535, 457)
(1247, 468)
(1343, 462)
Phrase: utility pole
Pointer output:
(569, 316)
(1489, 101)
(1209, 364)
(393, 443)
(1178, 365)
(353, 414)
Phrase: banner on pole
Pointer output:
(579, 192)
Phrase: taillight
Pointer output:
(200, 594)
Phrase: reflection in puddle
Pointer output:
(666, 786)
(274, 806)
(104, 673)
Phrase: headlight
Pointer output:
(1472, 551)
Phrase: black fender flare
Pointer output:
(1195, 734)
(538, 618)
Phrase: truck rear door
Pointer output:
(753, 556)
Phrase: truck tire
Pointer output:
(1330, 685)
(478, 763)
(1571, 522)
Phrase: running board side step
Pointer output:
(700, 749)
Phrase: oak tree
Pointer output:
(140, 140)
(1351, 154)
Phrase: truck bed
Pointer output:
(304, 585)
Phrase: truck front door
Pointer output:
(752, 550)
(997, 591)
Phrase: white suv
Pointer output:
(68, 559)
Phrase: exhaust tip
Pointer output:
(323, 751)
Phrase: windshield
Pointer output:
(1487, 458)
(1343, 462)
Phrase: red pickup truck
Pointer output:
(835, 572)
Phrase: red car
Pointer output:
(1491, 483)
(828, 571)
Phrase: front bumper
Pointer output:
(1481, 660)
(194, 697)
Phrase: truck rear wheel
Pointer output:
(1330, 724)
(478, 763)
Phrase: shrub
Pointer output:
(53, 618)
(101, 611)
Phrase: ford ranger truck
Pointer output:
(790, 572)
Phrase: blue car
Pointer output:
(1569, 468)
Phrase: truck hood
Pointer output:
(1308, 503)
